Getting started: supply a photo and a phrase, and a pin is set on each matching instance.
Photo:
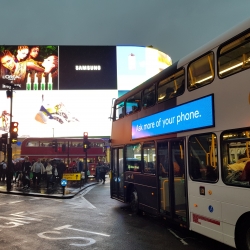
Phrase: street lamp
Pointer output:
(9, 94)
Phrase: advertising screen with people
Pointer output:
(63, 90)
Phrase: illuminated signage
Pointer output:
(59, 90)
(88, 67)
(192, 115)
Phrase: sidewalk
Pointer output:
(72, 189)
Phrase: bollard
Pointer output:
(64, 183)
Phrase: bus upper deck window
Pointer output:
(119, 110)
(234, 56)
(201, 72)
(133, 103)
(149, 97)
(171, 86)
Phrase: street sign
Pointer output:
(72, 176)
(64, 182)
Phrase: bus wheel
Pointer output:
(134, 203)
(243, 235)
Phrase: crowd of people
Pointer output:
(26, 173)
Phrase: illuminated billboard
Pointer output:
(65, 90)
(192, 115)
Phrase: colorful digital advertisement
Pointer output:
(66, 90)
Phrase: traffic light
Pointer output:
(13, 132)
(86, 142)
(9, 94)
(4, 138)
(3, 147)
(85, 136)
(3, 142)
(63, 147)
(54, 145)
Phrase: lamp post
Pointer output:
(9, 94)
(86, 146)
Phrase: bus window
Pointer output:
(33, 144)
(202, 160)
(201, 72)
(133, 158)
(133, 103)
(171, 86)
(149, 158)
(234, 56)
(148, 97)
(119, 110)
(236, 157)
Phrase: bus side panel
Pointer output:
(213, 213)
(146, 186)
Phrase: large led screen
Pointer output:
(137, 64)
(63, 91)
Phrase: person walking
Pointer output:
(26, 172)
(86, 171)
(49, 178)
(38, 170)
(102, 174)
(1, 170)
(4, 170)
(97, 172)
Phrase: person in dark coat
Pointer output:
(26, 172)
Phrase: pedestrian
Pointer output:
(49, 178)
(1, 170)
(19, 179)
(97, 171)
(55, 173)
(103, 173)
(38, 170)
(61, 168)
(79, 165)
(18, 169)
(26, 172)
(86, 171)
(4, 171)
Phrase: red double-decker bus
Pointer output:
(66, 149)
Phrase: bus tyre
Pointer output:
(243, 235)
(134, 203)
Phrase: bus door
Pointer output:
(117, 180)
(171, 164)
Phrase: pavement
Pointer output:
(72, 189)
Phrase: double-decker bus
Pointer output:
(180, 142)
(66, 149)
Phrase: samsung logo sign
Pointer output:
(88, 67)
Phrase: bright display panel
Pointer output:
(65, 90)
(192, 115)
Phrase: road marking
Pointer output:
(13, 202)
(90, 241)
(181, 239)
(17, 219)
(80, 230)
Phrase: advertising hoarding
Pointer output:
(192, 115)
(65, 90)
